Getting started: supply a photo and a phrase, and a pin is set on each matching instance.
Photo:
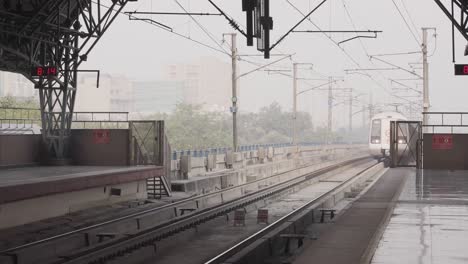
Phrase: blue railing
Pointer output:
(205, 152)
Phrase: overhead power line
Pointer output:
(418, 40)
(168, 30)
(409, 16)
(201, 26)
(170, 13)
(347, 54)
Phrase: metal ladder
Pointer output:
(157, 187)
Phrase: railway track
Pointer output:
(134, 239)
(242, 252)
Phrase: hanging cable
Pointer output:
(201, 26)
(406, 23)
(172, 32)
(385, 89)
(409, 16)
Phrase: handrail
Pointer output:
(442, 122)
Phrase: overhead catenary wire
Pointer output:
(256, 64)
(385, 89)
(399, 67)
(223, 51)
(239, 25)
(290, 76)
(354, 27)
(201, 26)
(319, 28)
(415, 36)
(365, 50)
(231, 21)
(396, 54)
(409, 16)
(170, 31)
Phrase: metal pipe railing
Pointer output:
(445, 120)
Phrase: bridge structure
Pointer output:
(46, 41)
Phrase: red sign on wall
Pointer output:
(101, 136)
(442, 142)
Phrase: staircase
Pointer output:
(157, 187)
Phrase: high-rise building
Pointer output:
(207, 82)
(14, 84)
(157, 96)
(115, 93)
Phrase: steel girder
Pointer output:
(58, 33)
(457, 12)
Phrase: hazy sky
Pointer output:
(140, 50)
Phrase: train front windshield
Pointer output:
(376, 131)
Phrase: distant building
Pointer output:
(115, 93)
(89, 98)
(14, 84)
(207, 82)
(157, 96)
(121, 99)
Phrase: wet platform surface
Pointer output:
(347, 240)
(29, 182)
(430, 222)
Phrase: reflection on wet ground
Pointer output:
(430, 221)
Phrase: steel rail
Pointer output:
(148, 237)
(258, 235)
(156, 209)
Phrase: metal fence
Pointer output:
(176, 154)
(406, 144)
(20, 113)
(27, 118)
(147, 142)
(446, 122)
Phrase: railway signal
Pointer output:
(259, 24)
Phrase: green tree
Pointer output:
(19, 108)
(191, 128)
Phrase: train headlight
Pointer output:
(375, 141)
(401, 141)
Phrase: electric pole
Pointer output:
(234, 90)
(330, 109)
(364, 116)
(425, 76)
(295, 95)
(350, 110)
(294, 104)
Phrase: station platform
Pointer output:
(405, 217)
(429, 224)
(49, 191)
(30, 182)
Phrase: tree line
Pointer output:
(190, 127)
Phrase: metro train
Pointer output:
(379, 133)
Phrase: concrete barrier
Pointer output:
(19, 150)
(249, 166)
